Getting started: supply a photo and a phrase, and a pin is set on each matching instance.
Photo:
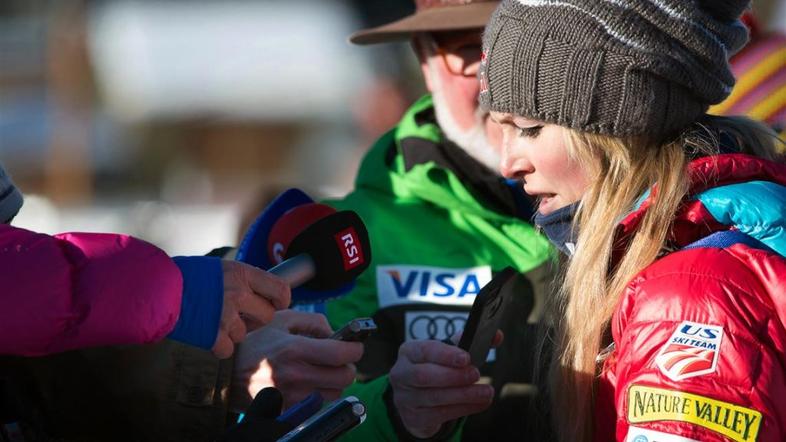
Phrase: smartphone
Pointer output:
(356, 330)
(330, 423)
(485, 316)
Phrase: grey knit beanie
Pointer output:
(10, 198)
(618, 67)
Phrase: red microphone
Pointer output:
(318, 247)
(291, 224)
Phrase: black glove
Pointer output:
(259, 423)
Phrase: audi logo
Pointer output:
(435, 327)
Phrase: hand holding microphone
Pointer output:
(251, 296)
(327, 254)
(319, 252)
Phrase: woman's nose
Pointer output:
(508, 164)
(512, 165)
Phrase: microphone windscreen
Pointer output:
(293, 222)
(339, 247)
(253, 248)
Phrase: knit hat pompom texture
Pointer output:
(617, 67)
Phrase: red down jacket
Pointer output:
(699, 335)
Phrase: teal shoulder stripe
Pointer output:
(756, 208)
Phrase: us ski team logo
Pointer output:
(692, 350)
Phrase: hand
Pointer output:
(433, 383)
(259, 423)
(279, 355)
(251, 296)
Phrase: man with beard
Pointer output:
(442, 222)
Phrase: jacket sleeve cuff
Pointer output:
(202, 301)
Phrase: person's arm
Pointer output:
(79, 290)
(83, 289)
(700, 354)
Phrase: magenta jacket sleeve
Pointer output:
(83, 289)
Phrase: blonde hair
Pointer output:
(622, 170)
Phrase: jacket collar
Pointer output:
(416, 160)
(710, 177)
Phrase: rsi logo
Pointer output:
(349, 246)
(407, 284)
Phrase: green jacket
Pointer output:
(440, 225)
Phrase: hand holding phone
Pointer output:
(485, 316)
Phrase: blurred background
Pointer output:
(176, 120)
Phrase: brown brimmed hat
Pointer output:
(430, 16)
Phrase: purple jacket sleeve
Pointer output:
(79, 290)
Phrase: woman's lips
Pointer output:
(543, 197)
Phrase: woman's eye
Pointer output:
(530, 132)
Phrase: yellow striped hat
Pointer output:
(760, 92)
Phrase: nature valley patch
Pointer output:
(647, 404)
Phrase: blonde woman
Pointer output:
(672, 323)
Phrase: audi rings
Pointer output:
(435, 327)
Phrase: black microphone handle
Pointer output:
(296, 270)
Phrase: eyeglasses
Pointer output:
(460, 51)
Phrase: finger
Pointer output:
(223, 347)
(236, 329)
(309, 324)
(428, 375)
(439, 397)
(257, 309)
(435, 352)
(268, 286)
(330, 352)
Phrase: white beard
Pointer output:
(472, 140)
